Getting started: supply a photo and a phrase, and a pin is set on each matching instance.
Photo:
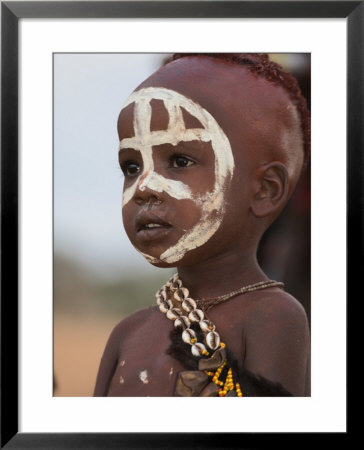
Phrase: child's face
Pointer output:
(179, 164)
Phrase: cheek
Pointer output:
(188, 213)
(202, 182)
(128, 216)
(238, 203)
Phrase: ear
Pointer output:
(272, 189)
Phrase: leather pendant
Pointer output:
(211, 390)
(217, 358)
(190, 383)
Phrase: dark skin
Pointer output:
(266, 331)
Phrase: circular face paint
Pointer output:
(145, 141)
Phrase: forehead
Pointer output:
(257, 117)
(254, 113)
(154, 109)
(225, 89)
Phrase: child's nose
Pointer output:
(145, 180)
(146, 189)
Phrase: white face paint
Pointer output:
(211, 203)
(143, 376)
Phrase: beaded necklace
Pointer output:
(207, 303)
(174, 301)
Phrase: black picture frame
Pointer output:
(11, 12)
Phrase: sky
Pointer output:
(89, 91)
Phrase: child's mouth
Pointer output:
(151, 227)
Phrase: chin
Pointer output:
(189, 257)
(161, 264)
(155, 261)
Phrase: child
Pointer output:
(211, 147)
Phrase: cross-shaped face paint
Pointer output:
(144, 140)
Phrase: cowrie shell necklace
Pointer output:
(174, 301)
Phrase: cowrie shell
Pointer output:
(172, 281)
(196, 349)
(196, 315)
(212, 340)
(181, 294)
(182, 322)
(165, 306)
(176, 285)
(189, 304)
(162, 293)
(174, 278)
(205, 325)
(187, 335)
(161, 300)
(173, 313)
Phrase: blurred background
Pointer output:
(99, 278)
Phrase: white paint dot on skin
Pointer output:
(171, 371)
(143, 375)
(122, 363)
(121, 380)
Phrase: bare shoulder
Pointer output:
(277, 340)
(124, 329)
(277, 307)
(133, 321)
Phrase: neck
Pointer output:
(221, 275)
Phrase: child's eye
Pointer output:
(130, 168)
(181, 161)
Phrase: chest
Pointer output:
(144, 367)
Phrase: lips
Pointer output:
(150, 226)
